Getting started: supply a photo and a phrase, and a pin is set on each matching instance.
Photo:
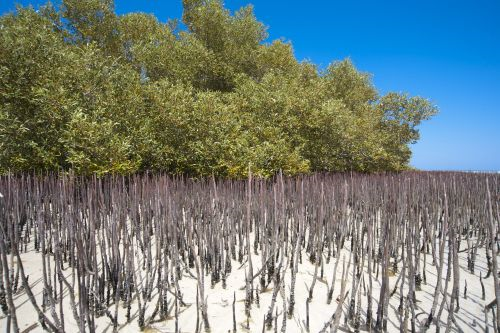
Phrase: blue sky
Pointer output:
(447, 51)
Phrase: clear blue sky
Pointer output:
(447, 51)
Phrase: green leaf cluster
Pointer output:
(85, 89)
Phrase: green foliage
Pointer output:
(92, 21)
(85, 89)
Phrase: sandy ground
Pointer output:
(470, 317)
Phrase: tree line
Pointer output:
(87, 90)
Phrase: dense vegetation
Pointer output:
(83, 88)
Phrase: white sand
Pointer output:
(470, 317)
